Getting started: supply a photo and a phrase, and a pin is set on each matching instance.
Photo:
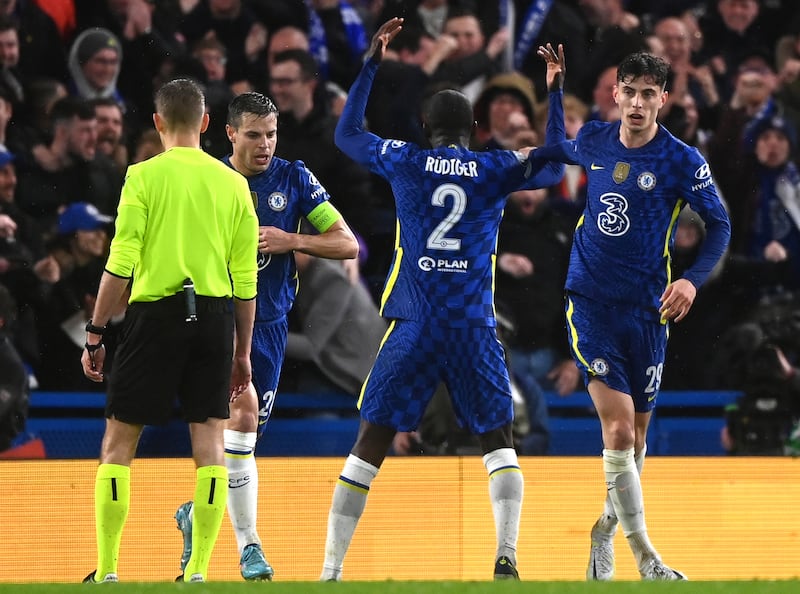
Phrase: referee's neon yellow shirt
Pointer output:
(185, 214)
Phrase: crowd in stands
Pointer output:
(76, 84)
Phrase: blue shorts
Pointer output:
(623, 350)
(269, 348)
(416, 356)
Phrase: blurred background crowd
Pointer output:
(76, 84)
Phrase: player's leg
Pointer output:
(506, 489)
(478, 382)
(249, 415)
(350, 494)
(601, 557)
(240, 442)
(112, 495)
(393, 398)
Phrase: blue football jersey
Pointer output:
(283, 194)
(621, 250)
(449, 203)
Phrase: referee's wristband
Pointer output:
(92, 329)
(91, 348)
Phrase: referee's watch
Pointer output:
(92, 329)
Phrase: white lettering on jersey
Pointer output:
(451, 167)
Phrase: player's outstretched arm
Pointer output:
(556, 66)
(350, 135)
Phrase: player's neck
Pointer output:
(438, 140)
(637, 138)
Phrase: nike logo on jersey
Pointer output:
(596, 167)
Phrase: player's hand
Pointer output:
(241, 376)
(272, 240)
(677, 300)
(556, 66)
(383, 37)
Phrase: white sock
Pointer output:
(506, 488)
(625, 489)
(608, 521)
(242, 486)
(349, 499)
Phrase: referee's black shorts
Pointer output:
(162, 358)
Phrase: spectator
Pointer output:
(752, 98)
(233, 23)
(94, 64)
(148, 145)
(147, 39)
(532, 256)
(604, 107)
(766, 195)
(33, 125)
(306, 129)
(80, 248)
(686, 77)
(289, 37)
(41, 52)
(10, 75)
(504, 112)
(614, 34)
(14, 390)
(731, 32)
(474, 60)
(401, 83)
(69, 169)
(111, 140)
(337, 40)
(63, 15)
(337, 329)
(213, 56)
(25, 268)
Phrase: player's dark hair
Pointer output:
(449, 113)
(643, 65)
(254, 103)
(181, 103)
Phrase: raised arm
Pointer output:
(350, 135)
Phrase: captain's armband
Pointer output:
(323, 216)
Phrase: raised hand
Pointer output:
(556, 66)
(383, 38)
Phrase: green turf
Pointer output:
(743, 587)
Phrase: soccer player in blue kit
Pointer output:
(439, 296)
(620, 293)
(284, 192)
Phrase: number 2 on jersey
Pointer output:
(438, 239)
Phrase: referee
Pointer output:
(185, 246)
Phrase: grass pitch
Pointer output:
(392, 587)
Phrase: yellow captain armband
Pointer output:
(323, 216)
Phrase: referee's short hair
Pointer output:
(181, 103)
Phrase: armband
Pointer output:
(323, 216)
